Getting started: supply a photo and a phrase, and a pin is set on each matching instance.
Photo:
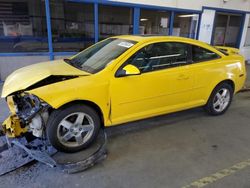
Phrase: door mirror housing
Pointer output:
(128, 70)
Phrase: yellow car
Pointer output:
(118, 80)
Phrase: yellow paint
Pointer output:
(131, 70)
(12, 127)
(218, 175)
(133, 97)
(27, 76)
(11, 104)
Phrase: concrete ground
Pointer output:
(173, 150)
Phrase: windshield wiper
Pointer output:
(72, 62)
(67, 61)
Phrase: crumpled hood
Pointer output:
(27, 76)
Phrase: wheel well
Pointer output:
(230, 82)
(90, 104)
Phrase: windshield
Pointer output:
(95, 58)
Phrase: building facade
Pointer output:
(33, 31)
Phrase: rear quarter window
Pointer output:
(200, 54)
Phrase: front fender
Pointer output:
(83, 88)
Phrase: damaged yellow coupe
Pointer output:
(118, 80)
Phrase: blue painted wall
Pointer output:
(136, 22)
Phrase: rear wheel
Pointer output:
(220, 99)
(73, 128)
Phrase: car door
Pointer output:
(164, 84)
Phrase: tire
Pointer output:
(73, 128)
(216, 105)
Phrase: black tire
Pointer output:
(59, 115)
(209, 107)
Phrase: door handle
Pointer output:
(183, 77)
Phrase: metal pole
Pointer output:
(48, 21)
(136, 22)
(96, 22)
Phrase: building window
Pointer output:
(186, 25)
(247, 42)
(72, 25)
(154, 22)
(23, 26)
(115, 21)
(227, 29)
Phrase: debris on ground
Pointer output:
(95, 157)
(14, 156)
(21, 153)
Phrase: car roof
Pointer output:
(148, 38)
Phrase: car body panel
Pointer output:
(134, 97)
(27, 76)
(87, 88)
(149, 93)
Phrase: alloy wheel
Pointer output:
(75, 129)
(221, 100)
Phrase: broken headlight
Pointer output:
(27, 106)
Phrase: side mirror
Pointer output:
(128, 70)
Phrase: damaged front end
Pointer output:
(28, 114)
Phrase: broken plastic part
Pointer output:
(41, 156)
(11, 104)
(14, 157)
(22, 153)
(99, 155)
(12, 127)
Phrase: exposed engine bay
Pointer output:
(28, 114)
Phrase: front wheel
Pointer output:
(220, 99)
(73, 128)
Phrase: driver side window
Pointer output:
(159, 56)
